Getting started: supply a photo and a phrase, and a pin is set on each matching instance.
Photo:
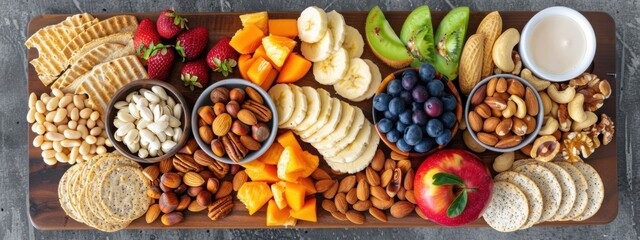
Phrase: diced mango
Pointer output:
(312, 163)
(272, 155)
(268, 173)
(261, 52)
(244, 63)
(271, 78)
(278, 48)
(294, 193)
(279, 217)
(260, 19)
(283, 27)
(291, 165)
(278, 190)
(307, 212)
(294, 69)
(254, 195)
(247, 40)
(310, 187)
(288, 139)
(259, 70)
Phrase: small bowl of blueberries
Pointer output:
(416, 111)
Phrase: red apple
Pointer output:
(465, 172)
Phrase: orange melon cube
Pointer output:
(294, 193)
(279, 217)
(244, 63)
(312, 163)
(271, 78)
(294, 69)
(291, 165)
(259, 19)
(287, 139)
(308, 184)
(268, 173)
(259, 70)
(278, 190)
(253, 165)
(254, 195)
(278, 48)
(261, 52)
(283, 27)
(272, 155)
(307, 212)
(247, 40)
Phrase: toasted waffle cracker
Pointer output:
(119, 38)
(84, 64)
(113, 25)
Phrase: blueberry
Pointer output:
(425, 145)
(416, 106)
(427, 72)
(406, 96)
(381, 101)
(419, 118)
(396, 106)
(435, 88)
(393, 136)
(389, 115)
(405, 117)
(420, 94)
(433, 107)
(410, 72)
(444, 138)
(394, 87)
(412, 135)
(448, 102)
(403, 146)
(448, 119)
(400, 126)
(385, 125)
(409, 81)
(434, 127)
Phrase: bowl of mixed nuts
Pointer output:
(234, 121)
(148, 120)
(503, 113)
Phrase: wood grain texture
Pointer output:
(45, 212)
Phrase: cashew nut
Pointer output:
(576, 110)
(503, 48)
(521, 111)
(503, 162)
(518, 63)
(564, 96)
(510, 110)
(592, 118)
(546, 102)
(549, 127)
(471, 143)
(554, 109)
(536, 82)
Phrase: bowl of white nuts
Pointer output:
(148, 120)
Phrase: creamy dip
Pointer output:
(558, 44)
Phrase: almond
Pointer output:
(491, 87)
(329, 206)
(378, 214)
(250, 143)
(385, 177)
(359, 176)
(151, 172)
(195, 207)
(225, 189)
(508, 142)
(166, 165)
(475, 121)
(486, 138)
(401, 209)
(479, 95)
(320, 174)
(378, 192)
(519, 127)
(221, 124)
(192, 179)
(190, 147)
(362, 206)
(377, 163)
(247, 117)
(152, 213)
(213, 184)
(504, 127)
(397, 156)
(420, 214)
(340, 216)
(355, 217)
(341, 202)
(531, 102)
(239, 179)
(347, 183)
(404, 165)
(331, 192)
(381, 204)
(324, 185)
(515, 88)
(501, 85)
(496, 102)
(363, 190)
(490, 124)
(483, 110)
(352, 196)
(408, 180)
(400, 194)
(410, 196)
(389, 164)
(206, 134)
(372, 176)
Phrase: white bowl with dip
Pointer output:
(557, 44)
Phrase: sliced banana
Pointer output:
(353, 42)
(340, 131)
(361, 162)
(358, 122)
(312, 24)
(330, 126)
(332, 69)
(356, 82)
(376, 79)
(354, 149)
(313, 108)
(320, 50)
(284, 99)
(337, 26)
(323, 117)
(300, 109)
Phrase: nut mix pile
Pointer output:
(236, 123)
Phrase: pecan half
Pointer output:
(234, 153)
(220, 208)
(262, 112)
(186, 163)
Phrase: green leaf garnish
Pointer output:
(442, 178)
(458, 205)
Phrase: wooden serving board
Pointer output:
(46, 214)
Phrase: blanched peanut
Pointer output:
(78, 100)
(96, 131)
(50, 161)
(38, 140)
(57, 92)
(57, 146)
(72, 124)
(91, 139)
(61, 114)
(53, 104)
(40, 118)
(64, 101)
(85, 113)
(46, 145)
(31, 116)
(32, 100)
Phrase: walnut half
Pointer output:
(576, 146)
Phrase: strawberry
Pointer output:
(145, 36)
(195, 73)
(160, 59)
(222, 57)
(192, 42)
(170, 24)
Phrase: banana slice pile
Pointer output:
(335, 49)
(340, 132)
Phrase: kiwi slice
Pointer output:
(417, 35)
(384, 42)
(449, 40)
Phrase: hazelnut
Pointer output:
(220, 94)
(201, 122)
(172, 218)
(260, 132)
(218, 109)
(240, 128)
(237, 94)
(217, 147)
(154, 192)
(545, 148)
(233, 108)
(168, 202)
(171, 180)
(212, 185)
(193, 191)
(206, 114)
(206, 134)
(181, 189)
(185, 200)
(165, 188)
(204, 198)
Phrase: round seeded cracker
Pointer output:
(63, 193)
(530, 190)
(548, 185)
(595, 190)
(567, 185)
(582, 198)
(123, 193)
(509, 208)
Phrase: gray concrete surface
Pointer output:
(14, 223)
